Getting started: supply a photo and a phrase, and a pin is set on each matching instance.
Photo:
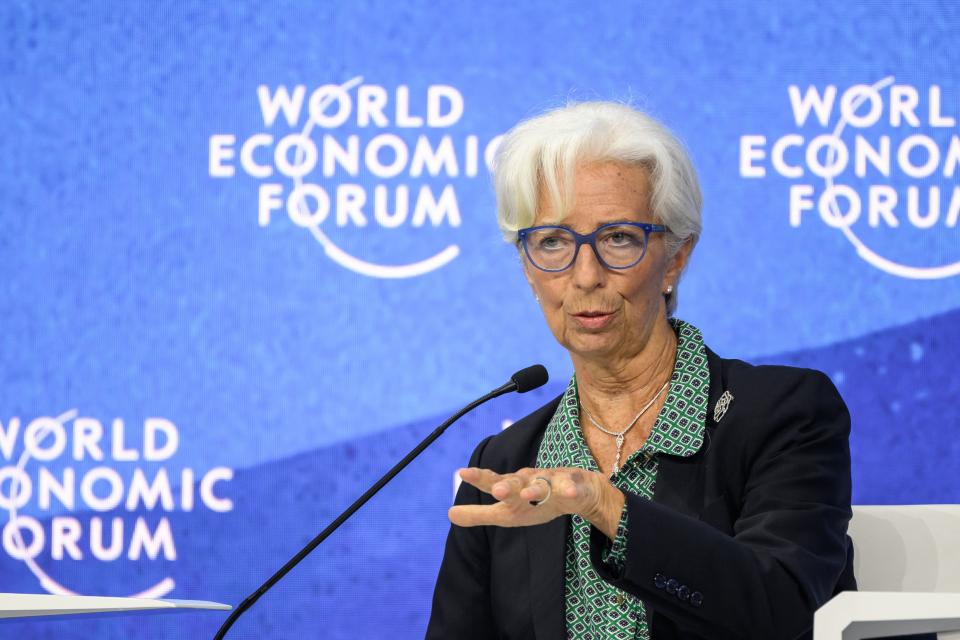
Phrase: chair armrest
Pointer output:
(853, 615)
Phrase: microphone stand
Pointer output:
(333, 526)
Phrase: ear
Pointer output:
(676, 264)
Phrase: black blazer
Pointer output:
(755, 523)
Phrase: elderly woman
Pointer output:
(668, 492)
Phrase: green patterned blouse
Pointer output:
(595, 609)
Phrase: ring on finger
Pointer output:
(537, 503)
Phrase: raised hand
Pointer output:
(535, 496)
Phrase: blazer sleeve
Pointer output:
(789, 545)
(461, 598)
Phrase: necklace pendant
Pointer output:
(616, 462)
(621, 435)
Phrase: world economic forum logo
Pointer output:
(364, 158)
(77, 490)
(878, 162)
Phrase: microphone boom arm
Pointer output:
(517, 383)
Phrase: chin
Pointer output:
(591, 345)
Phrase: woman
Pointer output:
(668, 493)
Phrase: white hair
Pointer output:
(542, 153)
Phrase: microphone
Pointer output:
(530, 378)
(521, 382)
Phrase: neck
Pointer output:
(613, 390)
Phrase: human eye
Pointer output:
(622, 237)
(552, 240)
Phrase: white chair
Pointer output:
(907, 564)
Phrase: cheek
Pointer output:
(643, 293)
(548, 289)
(551, 297)
(551, 304)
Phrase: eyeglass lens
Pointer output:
(554, 248)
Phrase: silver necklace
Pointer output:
(620, 435)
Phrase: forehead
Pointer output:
(601, 192)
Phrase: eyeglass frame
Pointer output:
(590, 239)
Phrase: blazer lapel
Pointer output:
(679, 483)
(680, 480)
(546, 546)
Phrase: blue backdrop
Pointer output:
(250, 258)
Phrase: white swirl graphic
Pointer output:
(865, 252)
(340, 256)
(158, 590)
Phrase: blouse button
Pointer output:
(620, 599)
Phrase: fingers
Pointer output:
(473, 515)
(505, 487)
(570, 486)
(528, 496)
(539, 490)
(570, 491)
(502, 514)
(482, 479)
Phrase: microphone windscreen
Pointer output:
(530, 378)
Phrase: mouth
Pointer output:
(593, 318)
(592, 314)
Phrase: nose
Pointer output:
(587, 271)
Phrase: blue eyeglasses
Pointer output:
(617, 245)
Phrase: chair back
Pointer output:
(907, 547)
